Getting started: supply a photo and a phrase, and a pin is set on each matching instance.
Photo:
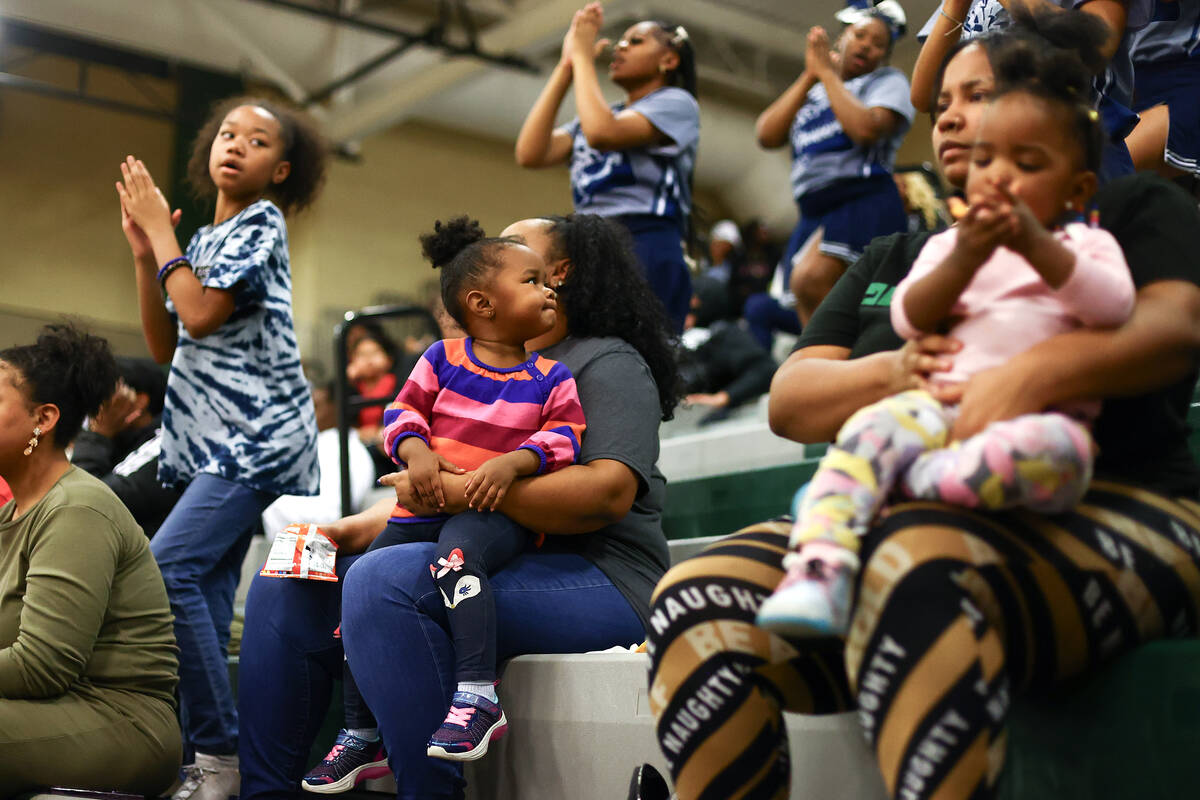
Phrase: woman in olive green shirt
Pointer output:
(87, 653)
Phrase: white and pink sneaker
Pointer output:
(813, 599)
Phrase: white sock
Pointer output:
(482, 689)
(366, 734)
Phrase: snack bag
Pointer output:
(301, 551)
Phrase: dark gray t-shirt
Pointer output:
(620, 404)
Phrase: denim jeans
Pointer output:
(199, 549)
(484, 541)
(399, 644)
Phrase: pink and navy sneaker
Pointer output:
(351, 761)
(473, 721)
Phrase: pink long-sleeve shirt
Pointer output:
(1007, 308)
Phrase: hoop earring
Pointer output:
(33, 442)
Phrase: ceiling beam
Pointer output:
(248, 49)
(732, 23)
(531, 22)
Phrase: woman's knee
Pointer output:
(399, 574)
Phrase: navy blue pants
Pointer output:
(397, 636)
(658, 243)
(470, 547)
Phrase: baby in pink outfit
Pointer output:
(1015, 271)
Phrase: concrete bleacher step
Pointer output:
(579, 724)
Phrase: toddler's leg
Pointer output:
(472, 546)
(1042, 462)
(872, 451)
(358, 754)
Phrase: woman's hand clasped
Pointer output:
(581, 36)
(819, 59)
(452, 480)
(920, 359)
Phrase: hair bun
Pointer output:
(448, 239)
(1066, 67)
(87, 360)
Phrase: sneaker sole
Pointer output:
(376, 769)
(495, 732)
(798, 627)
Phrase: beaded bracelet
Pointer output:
(957, 23)
(171, 266)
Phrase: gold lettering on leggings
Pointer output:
(704, 639)
(890, 561)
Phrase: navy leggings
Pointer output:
(397, 637)
(471, 546)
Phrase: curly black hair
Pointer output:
(1059, 74)
(606, 294)
(466, 257)
(1070, 37)
(68, 368)
(303, 147)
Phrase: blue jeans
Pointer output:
(485, 542)
(199, 549)
(398, 642)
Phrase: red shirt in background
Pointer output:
(6, 493)
(384, 387)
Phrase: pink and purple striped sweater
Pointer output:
(470, 412)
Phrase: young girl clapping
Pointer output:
(238, 424)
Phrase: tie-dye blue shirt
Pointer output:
(238, 405)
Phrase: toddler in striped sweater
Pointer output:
(480, 405)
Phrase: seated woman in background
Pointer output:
(87, 653)
(586, 588)
(956, 612)
(122, 442)
(721, 364)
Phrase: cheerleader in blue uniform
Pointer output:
(844, 118)
(631, 161)
(1166, 63)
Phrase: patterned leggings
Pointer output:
(956, 613)
(1038, 461)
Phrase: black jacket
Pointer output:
(731, 360)
(129, 465)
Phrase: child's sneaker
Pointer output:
(351, 761)
(473, 721)
(813, 599)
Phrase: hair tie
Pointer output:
(679, 36)
(889, 11)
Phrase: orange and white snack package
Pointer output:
(301, 551)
